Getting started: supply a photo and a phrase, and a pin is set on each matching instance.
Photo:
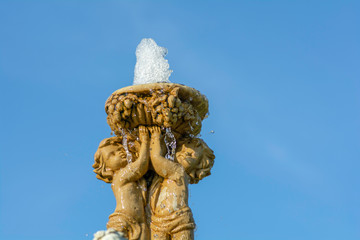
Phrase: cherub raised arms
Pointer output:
(112, 166)
(171, 217)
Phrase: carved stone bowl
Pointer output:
(168, 105)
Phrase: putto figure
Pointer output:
(113, 165)
(171, 217)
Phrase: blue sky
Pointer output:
(282, 79)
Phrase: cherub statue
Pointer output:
(171, 217)
(112, 166)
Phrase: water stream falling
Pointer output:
(125, 145)
(129, 159)
(170, 143)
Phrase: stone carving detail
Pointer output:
(153, 158)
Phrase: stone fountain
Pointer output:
(155, 153)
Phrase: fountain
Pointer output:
(155, 152)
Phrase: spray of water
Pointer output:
(151, 65)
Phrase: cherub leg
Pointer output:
(144, 232)
(183, 235)
(159, 235)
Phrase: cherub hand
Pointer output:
(155, 131)
(156, 149)
(143, 134)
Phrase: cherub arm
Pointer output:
(135, 170)
(162, 166)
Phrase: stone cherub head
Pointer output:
(196, 158)
(111, 156)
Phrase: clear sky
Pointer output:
(282, 79)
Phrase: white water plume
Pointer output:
(151, 66)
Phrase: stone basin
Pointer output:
(169, 105)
